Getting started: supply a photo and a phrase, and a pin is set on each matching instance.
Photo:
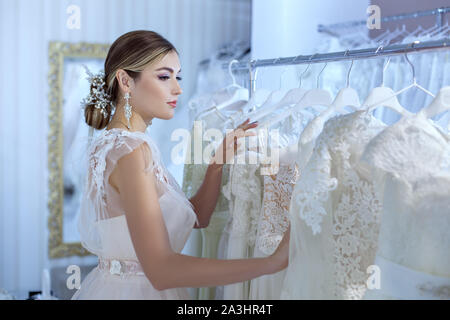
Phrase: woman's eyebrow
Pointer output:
(167, 68)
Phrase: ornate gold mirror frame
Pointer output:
(63, 55)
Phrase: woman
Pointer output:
(134, 216)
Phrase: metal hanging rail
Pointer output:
(438, 12)
(391, 50)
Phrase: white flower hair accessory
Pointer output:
(97, 95)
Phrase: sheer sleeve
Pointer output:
(99, 202)
(102, 157)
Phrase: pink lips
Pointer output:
(172, 103)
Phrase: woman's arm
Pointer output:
(205, 200)
(162, 266)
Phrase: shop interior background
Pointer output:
(197, 28)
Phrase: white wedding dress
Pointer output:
(244, 194)
(413, 254)
(103, 225)
(193, 176)
(335, 214)
(273, 223)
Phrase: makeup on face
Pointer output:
(166, 76)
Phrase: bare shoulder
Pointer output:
(131, 166)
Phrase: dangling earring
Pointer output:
(127, 108)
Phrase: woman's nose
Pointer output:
(177, 89)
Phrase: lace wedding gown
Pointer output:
(193, 176)
(413, 254)
(279, 182)
(273, 223)
(244, 194)
(334, 214)
(103, 225)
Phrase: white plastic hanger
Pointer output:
(391, 101)
(240, 94)
(419, 30)
(354, 38)
(439, 30)
(384, 96)
(259, 96)
(428, 32)
(297, 91)
(269, 105)
(388, 37)
(440, 104)
(403, 32)
(314, 97)
(290, 98)
(346, 97)
(382, 36)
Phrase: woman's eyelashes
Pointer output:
(166, 77)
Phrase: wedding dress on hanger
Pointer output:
(413, 256)
(277, 191)
(215, 115)
(103, 225)
(244, 194)
(334, 214)
(252, 195)
(193, 176)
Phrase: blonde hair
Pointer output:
(132, 52)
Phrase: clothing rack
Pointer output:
(390, 50)
(438, 12)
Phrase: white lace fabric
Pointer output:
(335, 214)
(244, 194)
(273, 223)
(274, 218)
(102, 224)
(414, 156)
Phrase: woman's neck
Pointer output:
(137, 123)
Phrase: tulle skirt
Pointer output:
(101, 285)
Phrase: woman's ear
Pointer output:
(124, 80)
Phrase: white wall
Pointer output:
(195, 27)
(287, 28)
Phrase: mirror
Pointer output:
(67, 139)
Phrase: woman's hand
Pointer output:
(280, 258)
(228, 148)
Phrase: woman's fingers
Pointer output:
(247, 124)
(243, 123)
(242, 133)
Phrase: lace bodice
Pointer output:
(335, 211)
(274, 218)
(415, 158)
(102, 223)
